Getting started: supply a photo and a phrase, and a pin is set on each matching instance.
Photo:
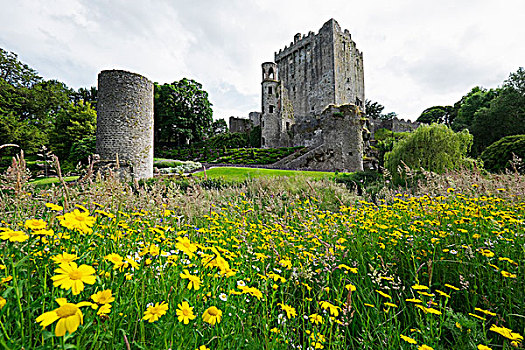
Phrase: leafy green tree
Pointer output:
(82, 149)
(436, 114)
(373, 109)
(469, 104)
(432, 147)
(16, 73)
(86, 95)
(73, 124)
(218, 126)
(505, 115)
(497, 157)
(182, 112)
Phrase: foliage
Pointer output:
(254, 137)
(431, 147)
(498, 156)
(228, 140)
(469, 104)
(385, 142)
(81, 149)
(436, 114)
(362, 181)
(182, 112)
(229, 155)
(16, 73)
(218, 126)
(373, 109)
(28, 104)
(504, 117)
(353, 276)
(76, 122)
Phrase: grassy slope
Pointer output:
(241, 174)
(50, 180)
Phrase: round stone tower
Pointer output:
(270, 118)
(125, 120)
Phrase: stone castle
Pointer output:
(313, 96)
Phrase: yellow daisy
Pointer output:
(68, 315)
(154, 312)
(212, 315)
(70, 276)
(185, 312)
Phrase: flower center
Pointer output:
(67, 310)
(75, 275)
(186, 312)
(213, 312)
(80, 218)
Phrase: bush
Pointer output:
(497, 156)
(362, 181)
(433, 147)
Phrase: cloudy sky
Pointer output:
(417, 53)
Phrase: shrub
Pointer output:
(497, 156)
(433, 147)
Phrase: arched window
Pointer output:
(270, 90)
(271, 73)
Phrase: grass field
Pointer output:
(241, 174)
(260, 267)
(52, 180)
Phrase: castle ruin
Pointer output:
(315, 71)
(125, 121)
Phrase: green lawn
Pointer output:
(51, 180)
(241, 174)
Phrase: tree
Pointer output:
(218, 126)
(504, 116)
(182, 112)
(73, 124)
(16, 73)
(373, 109)
(516, 81)
(497, 157)
(469, 104)
(432, 147)
(436, 114)
(87, 95)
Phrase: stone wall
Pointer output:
(394, 124)
(321, 69)
(125, 120)
(341, 142)
(240, 124)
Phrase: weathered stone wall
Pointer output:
(255, 117)
(341, 142)
(394, 124)
(240, 124)
(125, 120)
(321, 69)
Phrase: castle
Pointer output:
(315, 71)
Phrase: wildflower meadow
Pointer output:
(417, 271)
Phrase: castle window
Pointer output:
(263, 141)
(262, 123)
(287, 126)
(271, 74)
(270, 90)
(271, 108)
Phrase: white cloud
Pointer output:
(417, 53)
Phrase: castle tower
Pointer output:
(125, 120)
(271, 116)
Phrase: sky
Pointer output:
(417, 53)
